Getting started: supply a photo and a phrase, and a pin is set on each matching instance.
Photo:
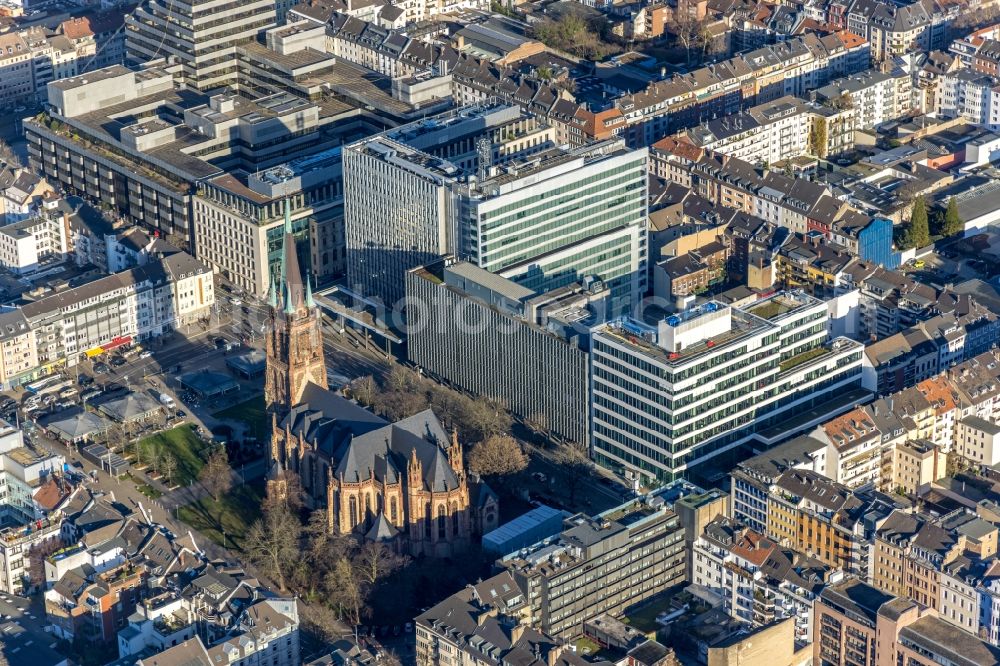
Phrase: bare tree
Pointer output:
(688, 30)
(216, 475)
(498, 455)
(154, 456)
(272, 543)
(345, 591)
(169, 468)
(364, 390)
(375, 561)
(575, 466)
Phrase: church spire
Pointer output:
(272, 293)
(310, 303)
(291, 276)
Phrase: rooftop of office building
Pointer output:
(710, 328)
(582, 532)
(424, 165)
(453, 124)
(782, 305)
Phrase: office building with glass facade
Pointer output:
(677, 393)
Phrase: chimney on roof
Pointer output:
(516, 632)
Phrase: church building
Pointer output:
(404, 483)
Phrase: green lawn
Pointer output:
(146, 489)
(184, 444)
(234, 512)
(799, 359)
(250, 412)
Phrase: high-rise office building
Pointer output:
(488, 185)
(669, 396)
(201, 35)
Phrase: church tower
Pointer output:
(294, 340)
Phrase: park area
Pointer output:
(177, 455)
(227, 519)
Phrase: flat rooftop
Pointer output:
(743, 326)
(91, 77)
(410, 159)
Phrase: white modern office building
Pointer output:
(681, 391)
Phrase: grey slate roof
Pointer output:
(362, 444)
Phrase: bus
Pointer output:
(54, 387)
(39, 384)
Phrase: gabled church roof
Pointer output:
(362, 444)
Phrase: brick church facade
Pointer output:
(403, 483)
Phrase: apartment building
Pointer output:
(764, 134)
(17, 82)
(18, 353)
(495, 338)
(818, 517)
(978, 440)
(929, 347)
(823, 225)
(919, 557)
(790, 67)
(855, 451)
(93, 608)
(266, 632)
(969, 94)
(136, 304)
(875, 96)
(879, 445)
(759, 581)
(669, 396)
(896, 30)
(42, 236)
(28, 506)
(542, 216)
(487, 622)
(858, 624)
(607, 563)
(60, 54)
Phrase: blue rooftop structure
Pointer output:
(539, 523)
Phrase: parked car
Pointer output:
(220, 343)
(7, 404)
(180, 413)
(90, 394)
(146, 354)
(118, 361)
(101, 368)
(85, 380)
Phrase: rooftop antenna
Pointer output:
(484, 153)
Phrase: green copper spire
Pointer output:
(309, 294)
(289, 302)
(272, 293)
